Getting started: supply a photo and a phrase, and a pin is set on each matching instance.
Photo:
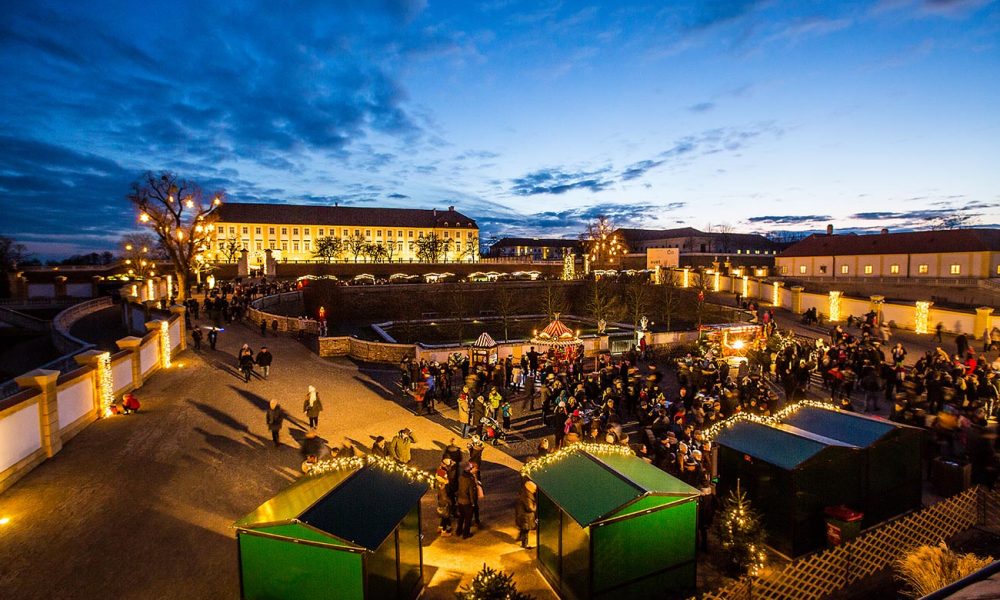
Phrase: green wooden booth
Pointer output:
(790, 476)
(347, 534)
(613, 526)
(890, 453)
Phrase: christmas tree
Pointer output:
(741, 533)
(490, 584)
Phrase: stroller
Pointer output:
(492, 431)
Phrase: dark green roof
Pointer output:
(361, 507)
(785, 446)
(847, 427)
(590, 487)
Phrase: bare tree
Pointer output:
(356, 245)
(724, 235)
(668, 300)
(139, 251)
(554, 300)
(431, 248)
(230, 249)
(601, 301)
(638, 297)
(328, 247)
(507, 303)
(180, 216)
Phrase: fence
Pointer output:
(823, 573)
(63, 323)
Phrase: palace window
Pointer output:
(246, 230)
(273, 246)
(284, 231)
(844, 270)
(257, 230)
(868, 269)
(922, 269)
(270, 230)
(260, 245)
(894, 269)
(368, 233)
(284, 246)
(802, 269)
(232, 231)
(295, 231)
(295, 246)
(321, 231)
(822, 269)
(955, 269)
(307, 245)
(410, 234)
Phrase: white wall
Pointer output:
(20, 435)
(79, 290)
(148, 357)
(41, 290)
(75, 401)
(175, 334)
(121, 373)
(954, 322)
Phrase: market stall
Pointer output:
(560, 341)
(890, 453)
(733, 341)
(350, 533)
(483, 351)
(791, 476)
(611, 525)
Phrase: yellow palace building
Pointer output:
(293, 232)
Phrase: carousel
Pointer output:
(562, 343)
(484, 351)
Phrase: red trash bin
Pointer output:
(843, 524)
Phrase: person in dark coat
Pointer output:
(274, 417)
(380, 447)
(445, 503)
(246, 362)
(525, 511)
(213, 337)
(196, 337)
(312, 406)
(466, 496)
(264, 360)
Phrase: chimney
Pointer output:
(435, 213)
(336, 203)
(884, 231)
(451, 209)
(829, 229)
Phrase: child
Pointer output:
(130, 403)
(505, 412)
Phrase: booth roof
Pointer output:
(784, 446)
(484, 341)
(361, 507)
(592, 487)
(847, 427)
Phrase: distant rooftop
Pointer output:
(911, 242)
(535, 242)
(319, 214)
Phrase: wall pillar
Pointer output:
(797, 299)
(243, 264)
(180, 311)
(95, 286)
(776, 293)
(983, 322)
(93, 357)
(44, 380)
(60, 286)
(132, 344)
(20, 289)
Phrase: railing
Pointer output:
(37, 302)
(990, 284)
(955, 281)
(63, 322)
(24, 321)
(823, 573)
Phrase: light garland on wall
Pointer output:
(165, 343)
(105, 383)
(170, 287)
(569, 267)
(776, 294)
(746, 286)
(686, 278)
(388, 465)
(150, 295)
(922, 316)
(589, 447)
(717, 284)
(835, 305)
(774, 419)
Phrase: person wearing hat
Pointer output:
(399, 447)
(466, 496)
(525, 513)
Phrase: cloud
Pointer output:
(934, 8)
(558, 181)
(718, 12)
(789, 219)
(702, 107)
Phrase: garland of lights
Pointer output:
(105, 383)
(569, 267)
(589, 447)
(165, 343)
(774, 419)
(386, 464)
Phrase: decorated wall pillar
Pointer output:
(834, 308)
(104, 392)
(44, 380)
(984, 322)
(776, 294)
(95, 286)
(922, 316)
(797, 299)
(243, 264)
(60, 286)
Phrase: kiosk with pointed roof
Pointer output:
(484, 350)
(352, 533)
(610, 525)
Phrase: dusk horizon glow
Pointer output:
(530, 117)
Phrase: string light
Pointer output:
(165, 343)
(105, 383)
(686, 278)
(144, 218)
(776, 294)
(922, 316)
(716, 284)
(386, 464)
(746, 286)
(835, 305)
(569, 267)
(775, 419)
(589, 447)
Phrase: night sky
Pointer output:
(532, 117)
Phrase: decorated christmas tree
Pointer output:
(741, 533)
(490, 584)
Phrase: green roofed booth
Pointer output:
(347, 534)
(614, 526)
(790, 476)
(890, 453)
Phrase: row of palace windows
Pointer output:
(893, 269)
(322, 232)
(307, 246)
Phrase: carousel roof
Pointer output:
(484, 341)
(556, 334)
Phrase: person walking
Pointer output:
(246, 362)
(264, 359)
(263, 327)
(312, 406)
(274, 417)
(529, 394)
(938, 330)
(445, 505)
(465, 500)
(196, 337)
(213, 337)
(399, 447)
(505, 413)
(464, 411)
(525, 511)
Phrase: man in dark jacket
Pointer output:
(465, 499)
(264, 359)
(524, 512)
(213, 337)
(274, 417)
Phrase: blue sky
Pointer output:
(532, 117)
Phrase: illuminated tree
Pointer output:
(490, 584)
(180, 216)
(328, 247)
(139, 251)
(431, 248)
(742, 534)
(604, 245)
(356, 245)
(230, 249)
(471, 250)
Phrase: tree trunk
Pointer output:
(182, 285)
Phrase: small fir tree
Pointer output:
(490, 584)
(741, 533)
